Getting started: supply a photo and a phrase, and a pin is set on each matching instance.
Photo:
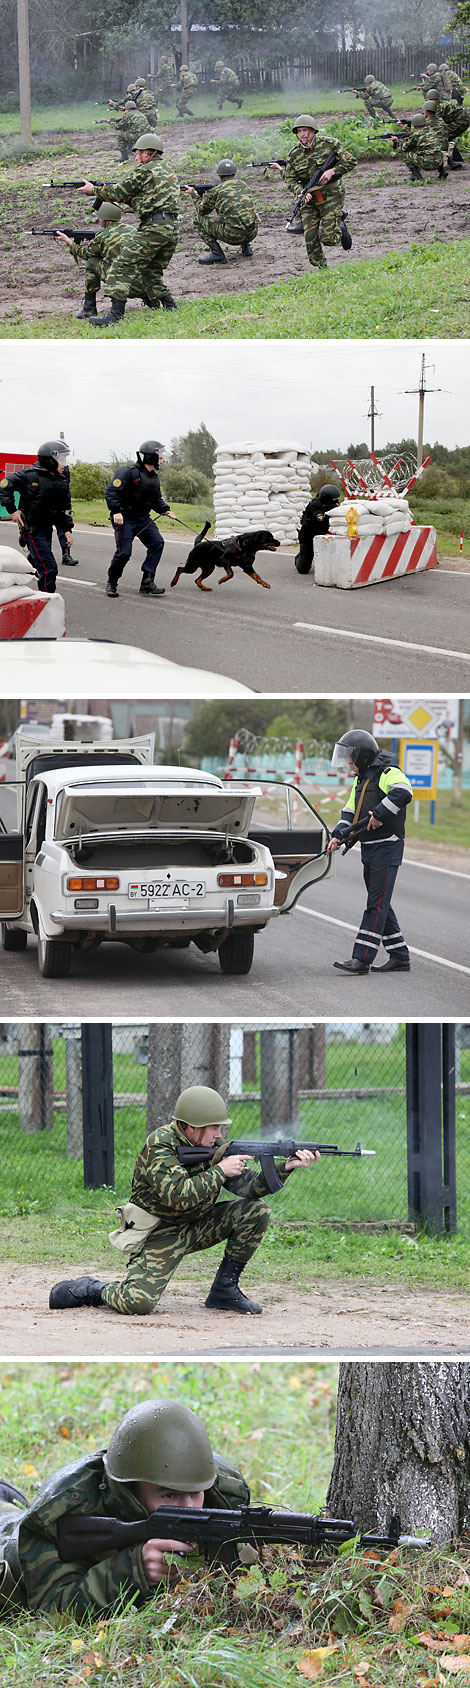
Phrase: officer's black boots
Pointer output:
(393, 965)
(76, 1292)
(215, 255)
(247, 250)
(352, 966)
(71, 562)
(88, 307)
(442, 173)
(225, 1294)
(111, 589)
(148, 587)
(116, 313)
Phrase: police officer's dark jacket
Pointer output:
(44, 497)
(315, 519)
(134, 491)
(387, 791)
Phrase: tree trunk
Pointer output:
(163, 1073)
(403, 1446)
(458, 761)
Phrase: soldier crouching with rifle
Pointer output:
(175, 1210)
(320, 206)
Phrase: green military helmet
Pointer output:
(368, 80)
(219, 64)
(226, 168)
(164, 1443)
(305, 121)
(200, 1106)
(130, 105)
(109, 213)
(444, 67)
(418, 119)
(130, 87)
(148, 142)
(431, 103)
(140, 82)
(431, 69)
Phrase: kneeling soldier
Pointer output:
(98, 254)
(422, 148)
(175, 1211)
(225, 213)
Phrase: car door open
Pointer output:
(297, 837)
(11, 850)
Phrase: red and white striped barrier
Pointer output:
(32, 615)
(366, 561)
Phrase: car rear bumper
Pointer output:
(114, 920)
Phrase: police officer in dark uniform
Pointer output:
(375, 815)
(131, 495)
(66, 544)
(315, 519)
(44, 503)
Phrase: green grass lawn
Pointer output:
(448, 520)
(95, 511)
(268, 103)
(403, 295)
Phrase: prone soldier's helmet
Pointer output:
(109, 213)
(368, 80)
(140, 82)
(305, 121)
(356, 746)
(329, 495)
(164, 1443)
(226, 168)
(149, 452)
(418, 119)
(199, 1106)
(53, 452)
(431, 69)
(149, 142)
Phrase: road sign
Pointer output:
(416, 717)
(419, 762)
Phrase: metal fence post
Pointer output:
(98, 1110)
(430, 1110)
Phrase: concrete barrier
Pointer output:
(365, 562)
(26, 613)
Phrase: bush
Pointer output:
(323, 478)
(187, 485)
(437, 483)
(14, 150)
(89, 480)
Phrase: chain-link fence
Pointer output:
(336, 1083)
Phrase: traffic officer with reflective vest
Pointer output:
(133, 492)
(44, 503)
(374, 815)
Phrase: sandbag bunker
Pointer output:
(370, 540)
(263, 484)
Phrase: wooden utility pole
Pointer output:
(24, 71)
(184, 33)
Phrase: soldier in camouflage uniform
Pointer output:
(227, 84)
(451, 122)
(453, 86)
(162, 82)
(225, 213)
(151, 189)
(128, 128)
(377, 97)
(311, 147)
(145, 101)
(421, 148)
(159, 1455)
(98, 254)
(185, 86)
(175, 1210)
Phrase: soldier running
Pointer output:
(176, 1211)
(312, 146)
(227, 84)
(152, 189)
(185, 87)
(225, 212)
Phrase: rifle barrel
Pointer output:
(214, 1530)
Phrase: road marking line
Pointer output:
(426, 955)
(377, 639)
(432, 869)
(89, 584)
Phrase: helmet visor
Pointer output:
(342, 760)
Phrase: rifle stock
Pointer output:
(216, 1532)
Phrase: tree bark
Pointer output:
(403, 1446)
(163, 1073)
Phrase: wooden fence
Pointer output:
(314, 68)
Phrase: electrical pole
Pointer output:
(24, 71)
(372, 414)
(421, 390)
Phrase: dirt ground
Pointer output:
(386, 213)
(345, 1318)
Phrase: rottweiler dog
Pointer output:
(238, 552)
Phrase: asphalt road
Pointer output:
(303, 638)
(292, 972)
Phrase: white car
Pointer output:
(111, 847)
(44, 668)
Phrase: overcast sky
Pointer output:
(108, 397)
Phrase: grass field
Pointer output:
(377, 1619)
(61, 119)
(448, 519)
(94, 511)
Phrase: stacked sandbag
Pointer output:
(388, 514)
(263, 484)
(18, 579)
(25, 612)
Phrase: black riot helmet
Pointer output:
(328, 496)
(51, 453)
(149, 452)
(356, 746)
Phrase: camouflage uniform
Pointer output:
(430, 79)
(227, 87)
(435, 122)
(188, 1218)
(145, 103)
(422, 149)
(33, 1577)
(377, 98)
(100, 254)
(187, 82)
(162, 83)
(128, 128)
(301, 164)
(457, 87)
(152, 190)
(227, 213)
(456, 120)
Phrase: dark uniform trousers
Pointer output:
(379, 923)
(135, 527)
(40, 553)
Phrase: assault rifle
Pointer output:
(312, 186)
(75, 184)
(356, 91)
(359, 831)
(73, 234)
(263, 163)
(201, 187)
(216, 1531)
(264, 1151)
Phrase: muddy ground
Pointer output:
(333, 1318)
(386, 213)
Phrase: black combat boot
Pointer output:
(457, 155)
(13, 1497)
(70, 562)
(225, 1294)
(88, 307)
(168, 303)
(110, 589)
(442, 173)
(247, 250)
(215, 255)
(76, 1292)
(116, 313)
(295, 227)
(415, 174)
(346, 237)
(454, 163)
(148, 587)
(393, 965)
(352, 966)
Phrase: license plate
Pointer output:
(167, 890)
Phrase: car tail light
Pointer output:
(97, 884)
(231, 879)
